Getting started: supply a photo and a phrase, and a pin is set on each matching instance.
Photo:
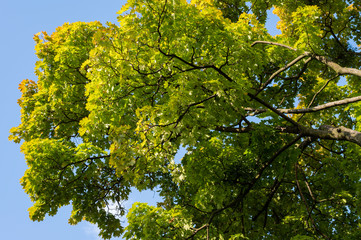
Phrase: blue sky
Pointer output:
(20, 20)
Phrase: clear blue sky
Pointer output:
(20, 20)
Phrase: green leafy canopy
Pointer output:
(270, 123)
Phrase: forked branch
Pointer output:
(328, 62)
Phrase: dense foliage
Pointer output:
(270, 123)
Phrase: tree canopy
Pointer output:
(270, 123)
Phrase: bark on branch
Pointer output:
(312, 109)
(334, 133)
(325, 132)
(323, 106)
(273, 43)
(336, 67)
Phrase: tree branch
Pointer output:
(325, 132)
(316, 94)
(306, 205)
(194, 66)
(337, 68)
(274, 189)
(334, 133)
(241, 194)
(233, 130)
(273, 43)
(323, 106)
(273, 109)
(265, 165)
(195, 231)
(309, 110)
(275, 74)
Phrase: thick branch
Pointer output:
(326, 132)
(334, 133)
(337, 68)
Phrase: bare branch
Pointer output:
(334, 133)
(323, 106)
(325, 132)
(309, 110)
(273, 43)
(337, 68)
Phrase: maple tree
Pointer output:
(270, 123)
